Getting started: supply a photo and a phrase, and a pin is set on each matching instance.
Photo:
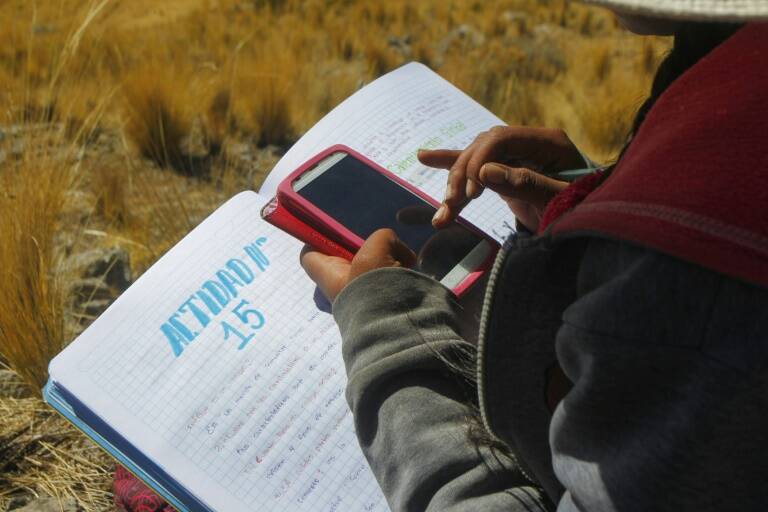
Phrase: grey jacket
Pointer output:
(668, 364)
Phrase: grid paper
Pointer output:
(267, 425)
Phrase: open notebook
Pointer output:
(216, 378)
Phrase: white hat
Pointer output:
(703, 10)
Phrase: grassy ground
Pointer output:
(113, 111)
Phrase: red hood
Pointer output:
(694, 181)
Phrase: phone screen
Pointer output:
(364, 200)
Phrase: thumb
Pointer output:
(330, 273)
(520, 183)
(381, 249)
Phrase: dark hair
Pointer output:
(693, 40)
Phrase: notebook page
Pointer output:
(409, 108)
(219, 366)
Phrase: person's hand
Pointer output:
(509, 160)
(332, 274)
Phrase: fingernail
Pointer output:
(450, 190)
(473, 190)
(439, 214)
(490, 173)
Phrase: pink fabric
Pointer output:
(131, 495)
(574, 194)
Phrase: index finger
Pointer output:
(439, 158)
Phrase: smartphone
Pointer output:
(346, 197)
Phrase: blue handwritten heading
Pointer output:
(214, 296)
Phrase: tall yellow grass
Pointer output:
(156, 120)
(110, 189)
(282, 65)
(38, 178)
(32, 293)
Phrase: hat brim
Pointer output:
(702, 10)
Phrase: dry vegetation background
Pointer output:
(124, 123)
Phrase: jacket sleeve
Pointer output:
(411, 411)
(669, 409)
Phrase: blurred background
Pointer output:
(125, 123)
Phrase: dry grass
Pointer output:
(44, 455)
(32, 294)
(219, 122)
(156, 122)
(110, 188)
(272, 112)
(95, 95)
(41, 454)
(173, 60)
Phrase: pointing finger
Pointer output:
(438, 158)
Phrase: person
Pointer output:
(622, 360)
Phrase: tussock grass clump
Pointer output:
(219, 120)
(381, 59)
(156, 123)
(32, 293)
(272, 112)
(110, 187)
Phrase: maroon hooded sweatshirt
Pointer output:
(694, 182)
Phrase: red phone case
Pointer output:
(292, 213)
(278, 215)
